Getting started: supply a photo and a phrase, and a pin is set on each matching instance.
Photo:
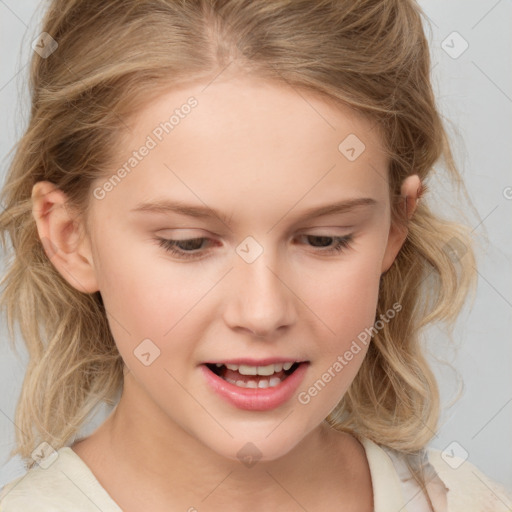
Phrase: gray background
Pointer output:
(474, 92)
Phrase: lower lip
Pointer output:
(256, 399)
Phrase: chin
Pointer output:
(250, 450)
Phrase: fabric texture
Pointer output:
(69, 485)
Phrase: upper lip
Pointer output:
(257, 362)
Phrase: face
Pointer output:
(250, 275)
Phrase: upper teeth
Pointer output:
(246, 369)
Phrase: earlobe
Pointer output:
(410, 191)
(61, 237)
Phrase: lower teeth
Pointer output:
(263, 383)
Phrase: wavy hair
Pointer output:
(370, 55)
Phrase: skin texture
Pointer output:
(261, 153)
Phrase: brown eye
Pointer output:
(183, 248)
(329, 244)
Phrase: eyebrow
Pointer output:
(164, 206)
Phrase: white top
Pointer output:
(454, 486)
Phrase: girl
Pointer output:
(217, 227)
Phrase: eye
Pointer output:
(334, 244)
(182, 248)
(192, 247)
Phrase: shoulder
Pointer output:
(467, 487)
(65, 484)
(453, 485)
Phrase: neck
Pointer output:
(184, 472)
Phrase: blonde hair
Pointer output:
(370, 55)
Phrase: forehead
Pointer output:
(253, 110)
(254, 139)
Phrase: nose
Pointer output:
(261, 300)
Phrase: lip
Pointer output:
(256, 399)
(257, 362)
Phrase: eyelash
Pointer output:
(342, 243)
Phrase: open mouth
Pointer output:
(250, 377)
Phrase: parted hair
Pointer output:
(115, 55)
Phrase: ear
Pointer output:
(62, 237)
(410, 191)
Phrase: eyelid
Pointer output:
(340, 245)
(170, 232)
(194, 233)
(331, 229)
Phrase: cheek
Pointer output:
(344, 294)
(151, 297)
(345, 300)
(148, 297)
